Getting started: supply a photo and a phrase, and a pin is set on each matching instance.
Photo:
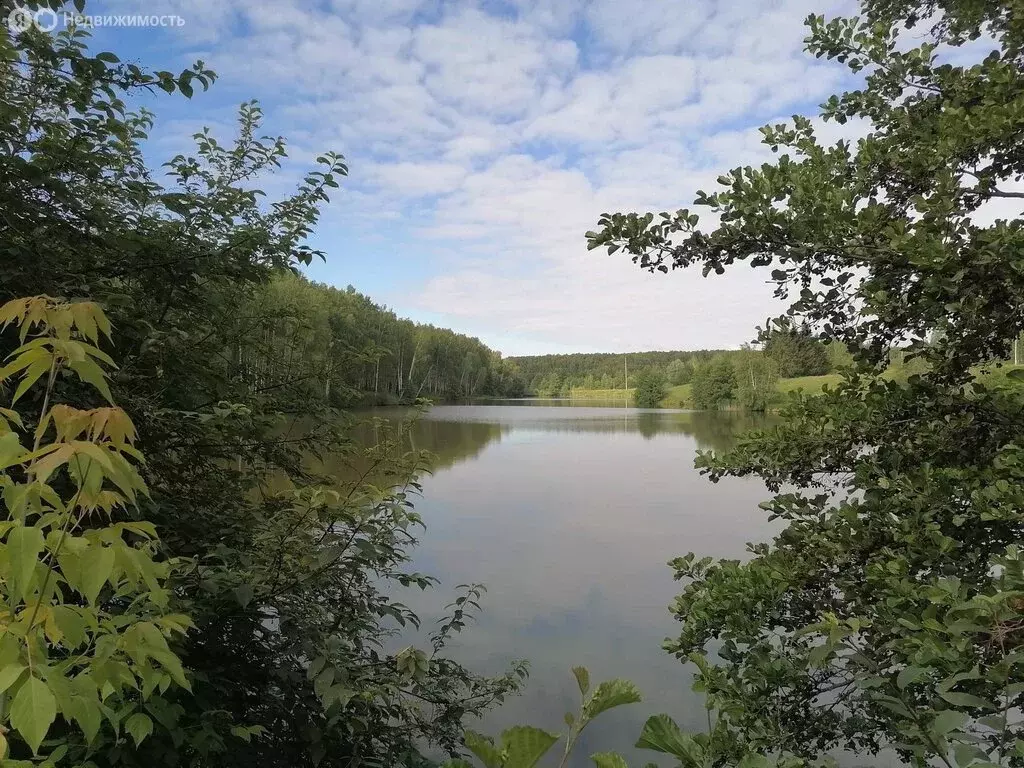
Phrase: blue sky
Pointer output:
(484, 139)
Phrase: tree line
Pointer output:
(341, 347)
(784, 351)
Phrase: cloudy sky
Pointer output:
(484, 139)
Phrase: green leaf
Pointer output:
(483, 748)
(88, 715)
(661, 734)
(71, 624)
(966, 700)
(609, 760)
(582, 675)
(97, 566)
(31, 376)
(910, 675)
(525, 746)
(91, 373)
(610, 694)
(338, 694)
(139, 726)
(9, 675)
(948, 720)
(33, 711)
(24, 544)
(968, 754)
(244, 594)
(11, 450)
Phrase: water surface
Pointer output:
(569, 515)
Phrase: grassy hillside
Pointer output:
(679, 396)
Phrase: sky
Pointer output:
(485, 138)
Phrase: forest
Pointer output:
(783, 352)
(347, 350)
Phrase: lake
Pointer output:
(569, 515)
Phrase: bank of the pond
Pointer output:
(680, 396)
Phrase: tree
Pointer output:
(887, 613)
(756, 377)
(679, 372)
(84, 594)
(291, 576)
(650, 388)
(795, 352)
(714, 382)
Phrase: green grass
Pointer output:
(679, 396)
(597, 394)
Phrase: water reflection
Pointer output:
(569, 515)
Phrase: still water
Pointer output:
(569, 515)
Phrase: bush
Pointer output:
(713, 383)
(650, 389)
(756, 377)
(679, 372)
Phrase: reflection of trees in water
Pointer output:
(449, 442)
(718, 430)
(453, 441)
(456, 440)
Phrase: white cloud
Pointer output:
(419, 179)
(491, 141)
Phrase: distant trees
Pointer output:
(679, 372)
(713, 383)
(756, 377)
(339, 347)
(551, 385)
(650, 388)
(795, 352)
(606, 368)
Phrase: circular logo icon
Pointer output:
(20, 20)
(46, 19)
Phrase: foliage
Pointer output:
(341, 348)
(713, 383)
(552, 385)
(888, 612)
(85, 625)
(292, 577)
(795, 352)
(650, 389)
(839, 356)
(605, 370)
(756, 380)
(524, 746)
(679, 372)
